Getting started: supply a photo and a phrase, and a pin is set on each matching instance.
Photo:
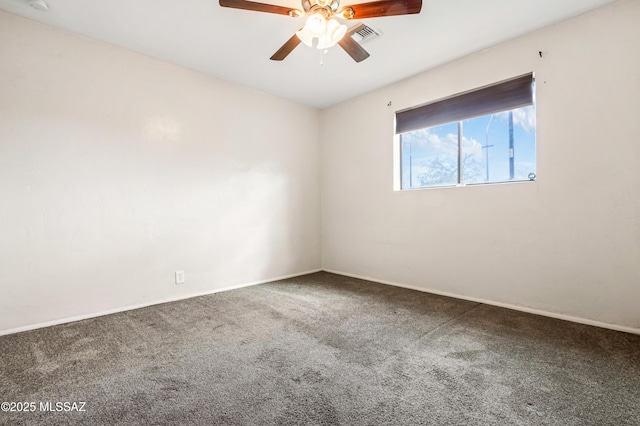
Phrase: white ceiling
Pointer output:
(235, 45)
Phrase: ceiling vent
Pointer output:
(362, 33)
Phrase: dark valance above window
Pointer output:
(505, 95)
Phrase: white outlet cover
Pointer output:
(179, 277)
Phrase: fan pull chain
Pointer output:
(322, 53)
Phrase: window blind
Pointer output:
(509, 94)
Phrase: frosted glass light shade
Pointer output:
(328, 32)
(334, 33)
(317, 24)
(305, 36)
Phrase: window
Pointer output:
(487, 135)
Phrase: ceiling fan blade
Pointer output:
(258, 7)
(375, 9)
(353, 48)
(286, 48)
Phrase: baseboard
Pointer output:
(144, 305)
(578, 320)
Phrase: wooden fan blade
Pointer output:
(375, 9)
(353, 48)
(286, 48)
(258, 7)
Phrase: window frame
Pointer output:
(502, 96)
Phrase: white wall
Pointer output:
(117, 169)
(567, 245)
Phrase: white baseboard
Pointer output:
(392, 283)
(600, 324)
(146, 304)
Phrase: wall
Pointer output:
(117, 170)
(567, 245)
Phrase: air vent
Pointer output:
(362, 33)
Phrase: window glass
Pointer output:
(430, 156)
(488, 147)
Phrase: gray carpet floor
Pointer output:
(323, 349)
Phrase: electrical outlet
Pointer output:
(179, 277)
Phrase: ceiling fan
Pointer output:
(322, 23)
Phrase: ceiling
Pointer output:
(235, 45)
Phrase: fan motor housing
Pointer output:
(330, 5)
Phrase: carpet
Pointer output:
(321, 349)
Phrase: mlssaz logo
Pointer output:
(62, 406)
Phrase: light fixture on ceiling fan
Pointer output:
(321, 23)
(322, 26)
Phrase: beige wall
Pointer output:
(567, 245)
(117, 170)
